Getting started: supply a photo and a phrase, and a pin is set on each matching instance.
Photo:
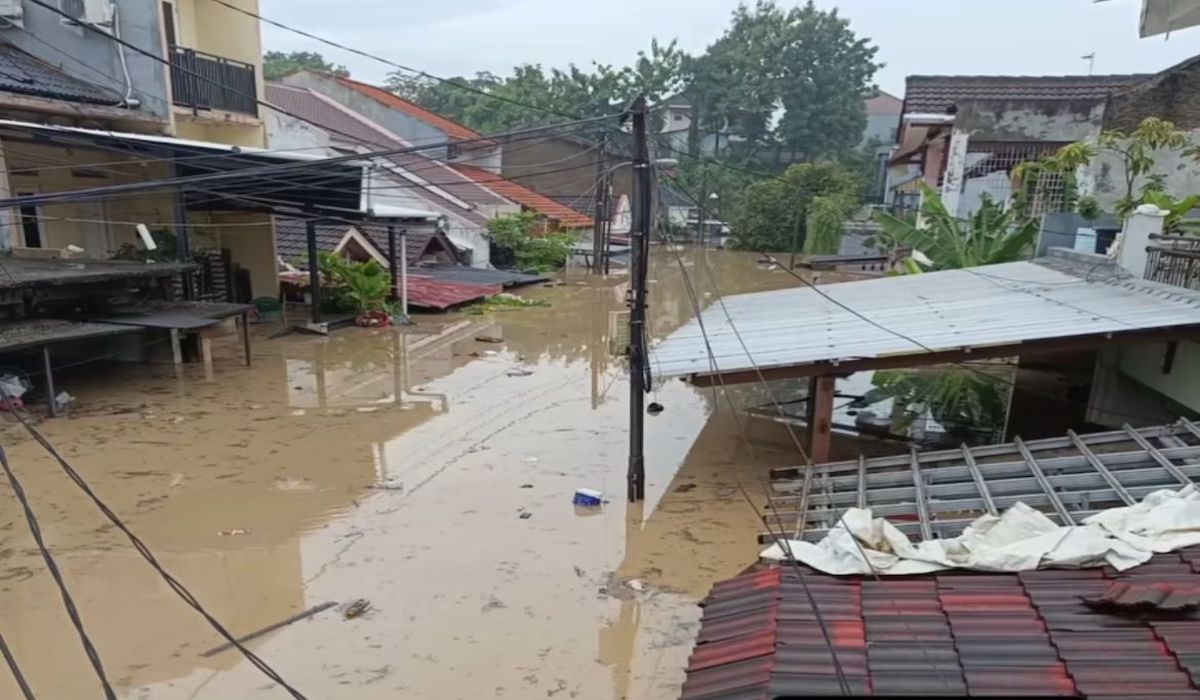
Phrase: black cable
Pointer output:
(808, 283)
(141, 548)
(263, 171)
(393, 64)
(16, 670)
(68, 602)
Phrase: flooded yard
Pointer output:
(424, 470)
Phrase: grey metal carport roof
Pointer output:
(1062, 301)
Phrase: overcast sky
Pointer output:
(457, 37)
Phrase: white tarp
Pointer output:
(1020, 539)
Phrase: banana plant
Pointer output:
(942, 241)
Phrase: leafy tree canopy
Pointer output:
(782, 85)
(277, 64)
(773, 215)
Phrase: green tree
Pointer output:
(278, 65)
(803, 65)
(573, 92)
(773, 215)
(992, 235)
(519, 237)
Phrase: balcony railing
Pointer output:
(1174, 260)
(203, 81)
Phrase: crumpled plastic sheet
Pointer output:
(1020, 539)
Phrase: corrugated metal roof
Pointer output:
(937, 93)
(1064, 295)
(22, 73)
(430, 293)
(954, 633)
(476, 275)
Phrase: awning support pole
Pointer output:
(51, 401)
(182, 234)
(314, 271)
(404, 272)
(391, 230)
(820, 417)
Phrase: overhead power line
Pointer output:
(266, 170)
(18, 676)
(35, 530)
(175, 584)
(393, 64)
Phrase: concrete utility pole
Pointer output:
(600, 210)
(638, 264)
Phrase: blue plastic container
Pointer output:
(588, 497)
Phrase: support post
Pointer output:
(404, 273)
(598, 209)
(820, 417)
(391, 230)
(314, 269)
(182, 233)
(51, 402)
(639, 235)
(246, 335)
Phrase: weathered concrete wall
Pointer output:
(1181, 176)
(1174, 96)
(94, 58)
(560, 168)
(1027, 121)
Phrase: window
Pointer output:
(31, 224)
(168, 20)
(678, 117)
(75, 8)
(453, 151)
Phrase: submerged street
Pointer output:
(423, 470)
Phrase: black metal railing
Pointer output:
(1174, 260)
(203, 81)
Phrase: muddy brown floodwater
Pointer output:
(396, 467)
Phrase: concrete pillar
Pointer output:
(1145, 221)
(956, 169)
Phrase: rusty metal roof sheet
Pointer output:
(952, 633)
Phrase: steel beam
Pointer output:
(980, 484)
(1099, 466)
(1157, 455)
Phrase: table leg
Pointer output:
(206, 354)
(246, 335)
(51, 402)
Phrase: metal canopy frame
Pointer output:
(936, 494)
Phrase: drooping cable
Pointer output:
(177, 586)
(18, 676)
(35, 530)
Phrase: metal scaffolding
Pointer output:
(936, 494)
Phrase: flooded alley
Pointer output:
(429, 471)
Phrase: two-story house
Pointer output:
(103, 92)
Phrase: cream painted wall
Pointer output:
(46, 169)
(1143, 363)
(215, 29)
(252, 247)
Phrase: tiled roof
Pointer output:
(564, 215)
(934, 94)
(23, 74)
(346, 127)
(953, 633)
(453, 129)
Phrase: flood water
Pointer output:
(261, 491)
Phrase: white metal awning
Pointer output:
(1065, 301)
(1166, 16)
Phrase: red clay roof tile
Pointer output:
(564, 215)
